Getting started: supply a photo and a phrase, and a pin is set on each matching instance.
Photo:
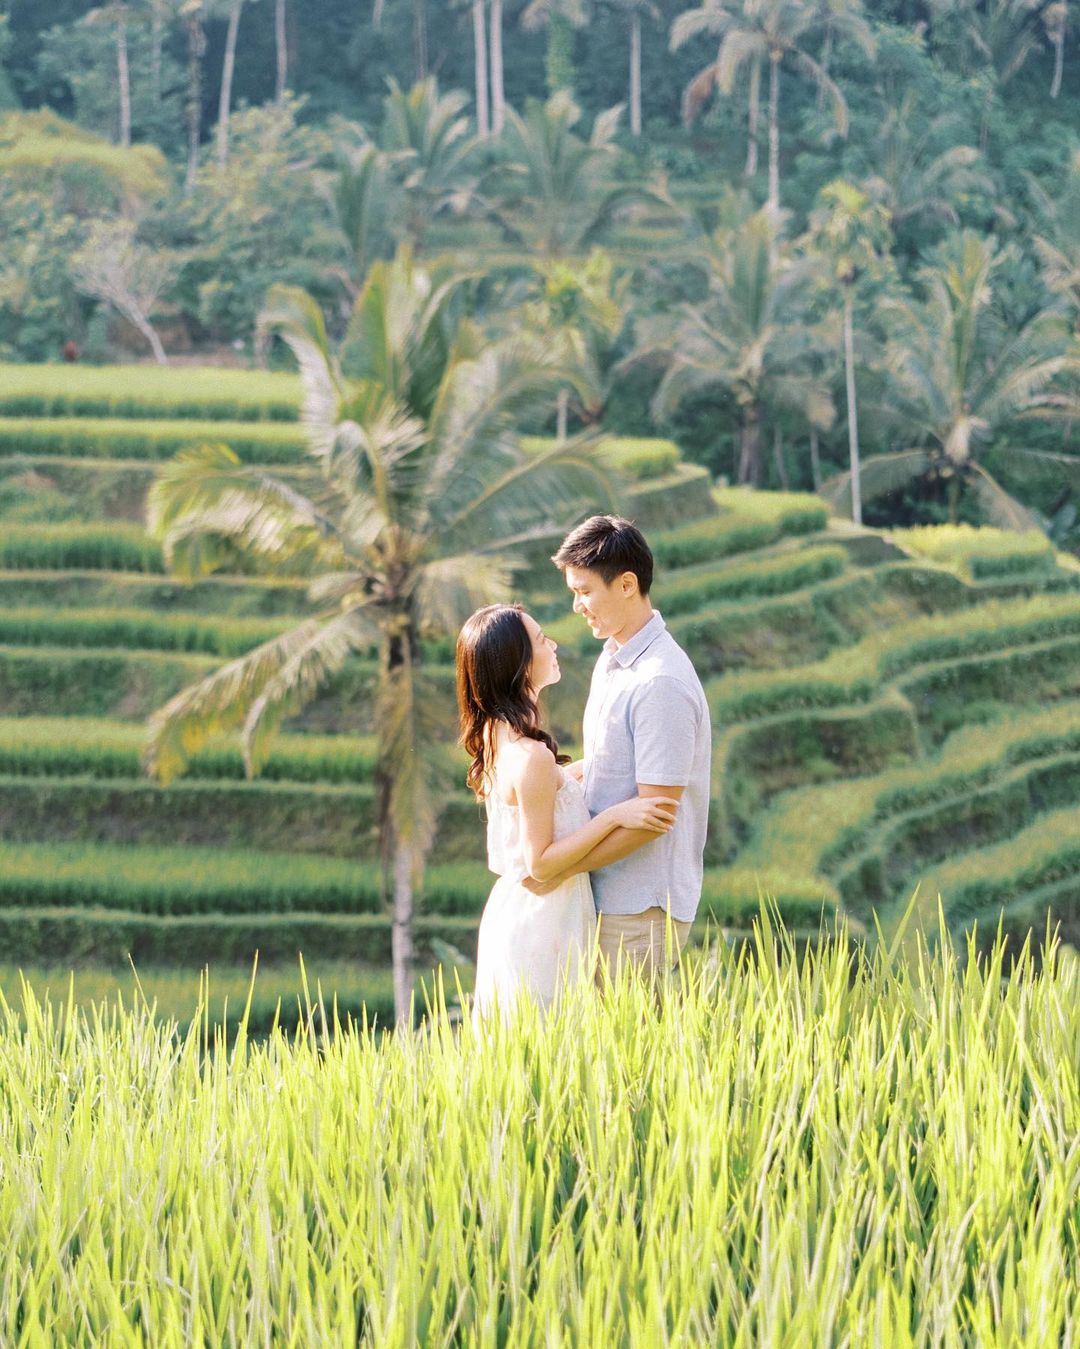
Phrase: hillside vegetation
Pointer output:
(890, 711)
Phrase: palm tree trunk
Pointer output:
(498, 97)
(420, 56)
(282, 47)
(815, 460)
(480, 59)
(196, 48)
(774, 129)
(852, 414)
(750, 447)
(1059, 51)
(635, 72)
(753, 117)
(402, 947)
(157, 36)
(225, 101)
(562, 407)
(123, 75)
(778, 459)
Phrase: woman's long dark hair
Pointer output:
(494, 653)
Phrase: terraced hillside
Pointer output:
(881, 707)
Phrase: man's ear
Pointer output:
(629, 583)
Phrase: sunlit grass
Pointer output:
(788, 1152)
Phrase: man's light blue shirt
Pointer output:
(647, 721)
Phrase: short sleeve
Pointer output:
(664, 719)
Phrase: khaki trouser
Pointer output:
(642, 939)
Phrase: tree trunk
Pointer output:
(774, 129)
(402, 948)
(562, 406)
(1059, 52)
(229, 64)
(196, 48)
(281, 45)
(123, 75)
(157, 34)
(635, 72)
(147, 329)
(753, 116)
(750, 447)
(815, 460)
(778, 459)
(480, 60)
(498, 96)
(420, 56)
(852, 413)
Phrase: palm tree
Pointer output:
(913, 181)
(560, 18)
(960, 377)
(1057, 243)
(428, 133)
(759, 31)
(991, 38)
(582, 308)
(852, 233)
(367, 199)
(635, 10)
(749, 335)
(424, 494)
(554, 198)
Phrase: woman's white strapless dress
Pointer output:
(532, 944)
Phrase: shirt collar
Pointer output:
(626, 654)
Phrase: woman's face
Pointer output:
(544, 669)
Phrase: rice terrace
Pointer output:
(539, 674)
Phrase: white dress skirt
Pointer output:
(532, 944)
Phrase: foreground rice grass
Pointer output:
(788, 1153)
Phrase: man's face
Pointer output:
(604, 607)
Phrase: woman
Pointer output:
(538, 823)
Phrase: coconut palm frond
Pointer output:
(218, 703)
(309, 666)
(879, 475)
(539, 496)
(818, 75)
(1001, 510)
(208, 508)
(711, 19)
(291, 314)
(450, 588)
(339, 587)
(473, 426)
(698, 92)
(739, 46)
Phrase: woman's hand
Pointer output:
(654, 813)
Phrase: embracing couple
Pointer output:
(631, 815)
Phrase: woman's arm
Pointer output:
(618, 843)
(536, 783)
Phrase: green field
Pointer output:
(731, 1170)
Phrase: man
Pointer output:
(647, 730)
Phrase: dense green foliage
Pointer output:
(922, 160)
